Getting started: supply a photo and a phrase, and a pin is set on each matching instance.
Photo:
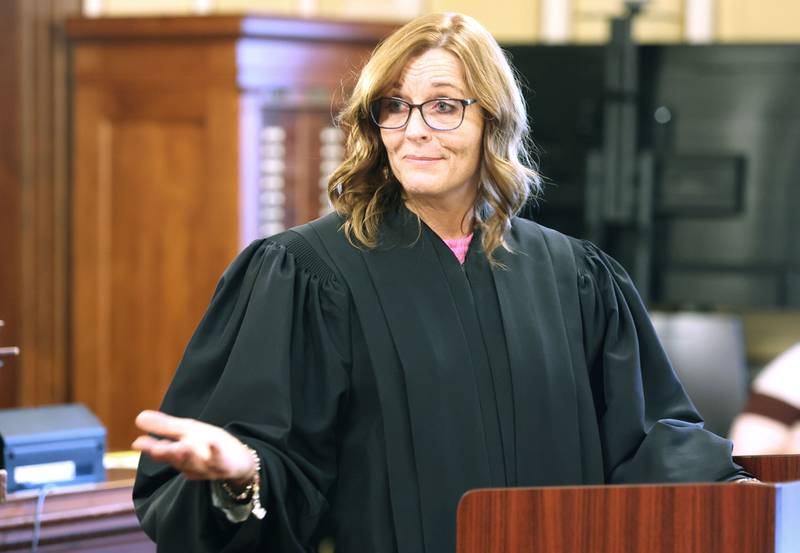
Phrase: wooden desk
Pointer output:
(87, 518)
(771, 468)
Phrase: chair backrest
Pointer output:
(708, 353)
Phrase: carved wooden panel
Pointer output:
(192, 137)
(154, 226)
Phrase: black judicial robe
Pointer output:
(378, 386)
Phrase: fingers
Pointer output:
(144, 443)
(186, 457)
(162, 424)
(198, 450)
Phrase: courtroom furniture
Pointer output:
(679, 518)
(192, 136)
(771, 468)
(87, 518)
(688, 518)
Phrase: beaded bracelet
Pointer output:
(251, 492)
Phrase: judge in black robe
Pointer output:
(378, 384)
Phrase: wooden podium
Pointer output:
(681, 518)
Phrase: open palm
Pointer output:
(199, 450)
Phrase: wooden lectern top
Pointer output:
(684, 518)
(675, 518)
(771, 468)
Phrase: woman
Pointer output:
(356, 375)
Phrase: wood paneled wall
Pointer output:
(154, 216)
(10, 199)
(182, 126)
(33, 199)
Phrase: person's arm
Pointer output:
(267, 368)
(235, 511)
(650, 430)
(200, 451)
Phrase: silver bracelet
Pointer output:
(747, 480)
(251, 492)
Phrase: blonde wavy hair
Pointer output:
(363, 188)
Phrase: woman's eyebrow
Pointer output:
(445, 84)
(396, 89)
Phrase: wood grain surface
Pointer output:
(703, 518)
(87, 518)
(771, 468)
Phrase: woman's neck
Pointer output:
(447, 223)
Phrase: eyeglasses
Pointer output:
(440, 114)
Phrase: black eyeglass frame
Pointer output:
(463, 101)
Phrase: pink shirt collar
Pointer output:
(459, 247)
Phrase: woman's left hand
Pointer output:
(199, 450)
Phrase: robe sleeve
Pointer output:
(269, 362)
(650, 430)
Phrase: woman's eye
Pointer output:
(394, 106)
(443, 106)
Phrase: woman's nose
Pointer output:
(416, 127)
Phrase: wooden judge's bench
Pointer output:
(684, 518)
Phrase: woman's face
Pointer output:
(439, 167)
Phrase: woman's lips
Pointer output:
(422, 159)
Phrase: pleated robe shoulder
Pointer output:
(380, 385)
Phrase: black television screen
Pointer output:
(722, 124)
